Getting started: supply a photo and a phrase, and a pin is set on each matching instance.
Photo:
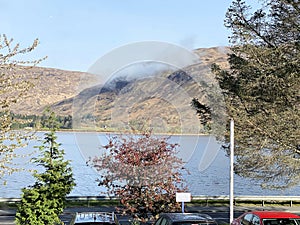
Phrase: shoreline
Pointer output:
(123, 133)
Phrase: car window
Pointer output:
(158, 221)
(247, 219)
(255, 220)
(164, 221)
(194, 223)
(281, 222)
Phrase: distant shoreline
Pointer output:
(125, 132)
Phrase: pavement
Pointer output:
(220, 213)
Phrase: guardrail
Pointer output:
(252, 199)
(207, 199)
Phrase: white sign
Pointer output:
(183, 197)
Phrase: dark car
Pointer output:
(185, 219)
(267, 218)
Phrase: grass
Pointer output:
(201, 203)
(8, 205)
(90, 203)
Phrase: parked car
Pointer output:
(185, 219)
(93, 218)
(267, 218)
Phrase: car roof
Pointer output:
(275, 214)
(84, 218)
(176, 217)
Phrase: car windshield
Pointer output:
(281, 221)
(194, 223)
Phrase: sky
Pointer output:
(74, 34)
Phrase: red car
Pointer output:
(267, 218)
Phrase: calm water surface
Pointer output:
(207, 164)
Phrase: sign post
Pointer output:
(231, 198)
(183, 197)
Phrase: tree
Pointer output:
(261, 90)
(43, 202)
(13, 87)
(143, 171)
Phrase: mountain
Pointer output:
(50, 86)
(156, 98)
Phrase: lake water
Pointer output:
(207, 164)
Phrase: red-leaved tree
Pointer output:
(144, 172)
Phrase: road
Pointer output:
(220, 214)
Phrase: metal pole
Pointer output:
(231, 168)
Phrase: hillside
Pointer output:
(161, 100)
(50, 86)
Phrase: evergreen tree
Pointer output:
(261, 90)
(43, 202)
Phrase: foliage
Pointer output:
(143, 171)
(45, 200)
(261, 90)
(37, 122)
(211, 109)
(204, 113)
(13, 87)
